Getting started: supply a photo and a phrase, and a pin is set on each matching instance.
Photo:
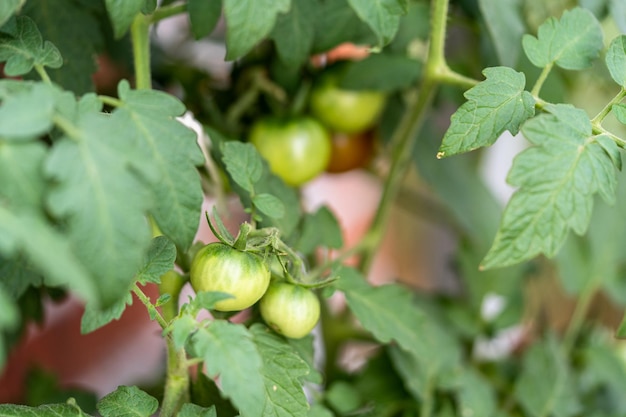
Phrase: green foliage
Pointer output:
(169, 155)
(571, 42)
(122, 13)
(87, 181)
(24, 49)
(497, 104)
(81, 37)
(127, 401)
(203, 16)
(545, 386)
(557, 178)
(249, 21)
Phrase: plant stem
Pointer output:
(139, 32)
(580, 312)
(43, 74)
(111, 101)
(151, 308)
(167, 11)
(405, 135)
(597, 121)
(542, 78)
(177, 384)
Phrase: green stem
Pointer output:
(70, 130)
(113, 102)
(597, 121)
(542, 78)
(448, 76)
(43, 74)
(405, 135)
(151, 308)
(140, 36)
(177, 383)
(580, 313)
(167, 11)
(242, 237)
(427, 401)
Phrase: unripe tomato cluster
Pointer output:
(289, 309)
(335, 137)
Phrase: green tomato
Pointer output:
(346, 111)
(290, 310)
(297, 149)
(220, 267)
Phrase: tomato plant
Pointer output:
(222, 268)
(149, 145)
(343, 110)
(297, 149)
(289, 309)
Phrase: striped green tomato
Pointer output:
(290, 310)
(220, 267)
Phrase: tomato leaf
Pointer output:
(604, 369)
(294, 33)
(283, 371)
(497, 104)
(557, 178)
(271, 184)
(475, 395)
(401, 321)
(93, 318)
(28, 113)
(506, 28)
(9, 320)
(168, 153)
(193, 410)
(619, 110)
(159, 259)
(335, 21)
(121, 13)
(203, 16)
(127, 401)
(8, 8)
(48, 410)
(616, 60)
(59, 267)
(243, 163)
(20, 174)
(382, 16)
(79, 41)
(382, 72)
(230, 353)
(571, 42)
(101, 200)
(26, 49)
(248, 22)
(545, 385)
(319, 229)
(269, 205)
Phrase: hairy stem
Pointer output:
(405, 135)
(177, 384)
